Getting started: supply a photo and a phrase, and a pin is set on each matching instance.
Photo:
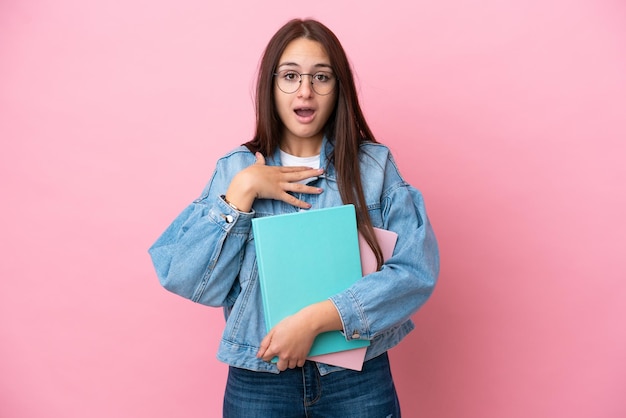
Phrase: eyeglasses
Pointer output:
(289, 81)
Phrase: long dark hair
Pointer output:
(346, 126)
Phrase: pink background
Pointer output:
(508, 115)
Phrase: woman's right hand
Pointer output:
(260, 181)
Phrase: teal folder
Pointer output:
(304, 258)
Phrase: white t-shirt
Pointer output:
(289, 160)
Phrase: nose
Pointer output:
(306, 86)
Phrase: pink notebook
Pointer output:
(353, 359)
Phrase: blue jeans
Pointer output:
(303, 393)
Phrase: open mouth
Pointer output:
(304, 112)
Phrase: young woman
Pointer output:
(312, 149)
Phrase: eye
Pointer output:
(322, 77)
(289, 75)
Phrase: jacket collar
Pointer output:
(326, 152)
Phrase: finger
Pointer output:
(293, 201)
(297, 175)
(302, 188)
(265, 343)
(260, 159)
(268, 354)
(299, 169)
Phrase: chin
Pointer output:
(305, 134)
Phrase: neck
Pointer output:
(302, 147)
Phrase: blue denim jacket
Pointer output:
(207, 255)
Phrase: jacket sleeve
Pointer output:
(200, 254)
(387, 298)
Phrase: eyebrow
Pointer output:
(295, 64)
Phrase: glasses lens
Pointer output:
(323, 83)
(288, 81)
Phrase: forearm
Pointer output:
(322, 317)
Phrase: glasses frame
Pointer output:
(332, 76)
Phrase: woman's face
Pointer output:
(305, 112)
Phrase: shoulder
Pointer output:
(377, 164)
(238, 153)
(374, 155)
(375, 148)
(236, 159)
(226, 168)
